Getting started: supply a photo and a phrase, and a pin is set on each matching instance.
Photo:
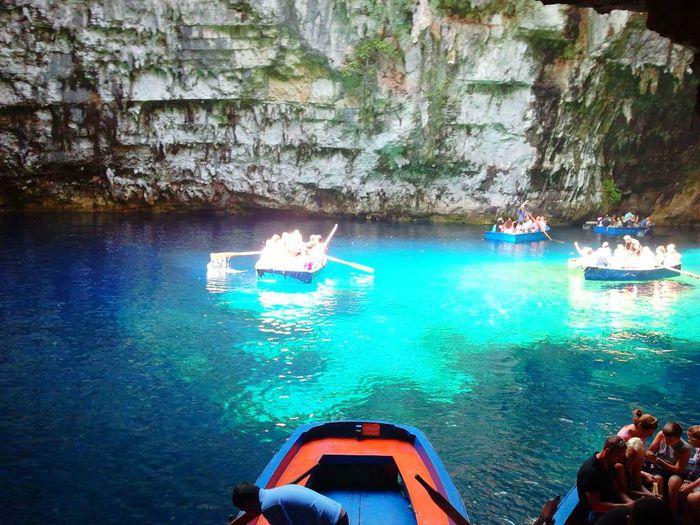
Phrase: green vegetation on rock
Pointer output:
(402, 162)
(497, 88)
(546, 45)
(611, 193)
(360, 78)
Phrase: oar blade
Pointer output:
(352, 264)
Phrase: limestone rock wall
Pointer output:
(392, 108)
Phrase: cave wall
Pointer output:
(427, 108)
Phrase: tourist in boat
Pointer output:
(642, 426)
(647, 259)
(630, 220)
(673, 258)
(620, 257)
(603, 255)
(646, 223)
(644, 511)
(669, 454)
(286, 505)
(632, 245)
(687, 491)
(508, 226)
(597, 489)
(631, 478)
(498, 226)
(660, 255)
(586, 255)
(541, 223)
(522, 213)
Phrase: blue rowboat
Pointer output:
(515, 237)
(601, 273)
(620, 232)
(372, 469)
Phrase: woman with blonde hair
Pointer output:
(630, 476)
(643, 426)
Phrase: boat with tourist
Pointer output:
(526, 228)
(375, 470)
(286, 257)
(630, 261)
(619, 226)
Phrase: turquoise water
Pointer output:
(135, 389)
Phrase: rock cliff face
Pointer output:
(392, 108)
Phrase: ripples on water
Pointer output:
(137, 388)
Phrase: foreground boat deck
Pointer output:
(384, 499)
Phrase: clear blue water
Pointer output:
(136, 390)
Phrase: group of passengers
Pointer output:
(628, 220)
(630, 254)
(528, 224)
(625, 470)
(290, 251)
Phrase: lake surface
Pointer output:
(136, 390)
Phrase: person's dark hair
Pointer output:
(651, 511)
(646, 421)
(245, 492)
(672, 429)
(614, 442)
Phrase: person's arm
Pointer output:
(621, 478)
(688, 487)
(598, 505)
(654, 447)
(242, 519)
(679, 466)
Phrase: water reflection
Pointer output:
(517, 248)
(623, 306)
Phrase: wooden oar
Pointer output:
(227, 255)
(354, 265)
(689, 274)
(305, 474)
(543, 230)
(330, 236)
(442, 502)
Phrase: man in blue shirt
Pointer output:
(286, 505)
